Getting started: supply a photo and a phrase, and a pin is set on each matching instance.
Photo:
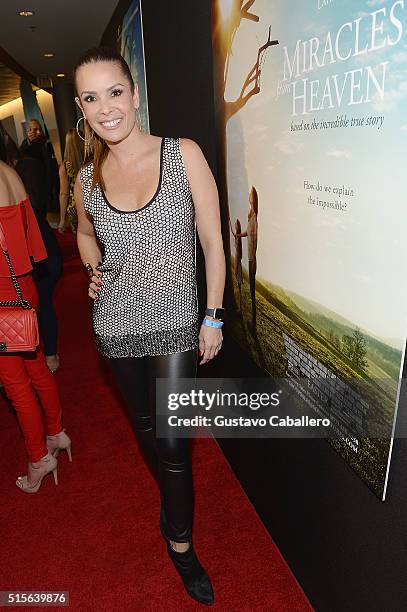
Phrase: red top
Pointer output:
(23, 238)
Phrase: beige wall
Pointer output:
(15, 108)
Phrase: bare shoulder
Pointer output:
(6, 172)
(12, 190)
(4, 192)
(83, 181)
(193, 157)
(190, 149)
(199, 174)
(85, 173)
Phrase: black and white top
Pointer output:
(148, 302)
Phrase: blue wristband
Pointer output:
(209, 323)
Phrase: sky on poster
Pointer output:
(132, 49)
(354, 261)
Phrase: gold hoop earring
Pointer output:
(77, 128)
(87, 141)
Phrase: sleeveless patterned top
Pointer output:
(148, 302)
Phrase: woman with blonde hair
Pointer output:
(68, 170)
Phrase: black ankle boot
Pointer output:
(196, 581)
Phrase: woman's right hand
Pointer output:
(95, 284)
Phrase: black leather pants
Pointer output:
(168, 459)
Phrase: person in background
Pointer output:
(68, 170)
(238, 235)
(26, 377)
(46, 273)
(38, 146)
(251, 234)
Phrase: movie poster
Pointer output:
(311, 100)
(131, 46)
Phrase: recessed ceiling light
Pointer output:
(48, 55)
(26, 13)
(60, 74)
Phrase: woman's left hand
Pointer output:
(210, 343)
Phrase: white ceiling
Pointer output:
(63, 27)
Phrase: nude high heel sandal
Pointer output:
(36, 472)
(59, 442)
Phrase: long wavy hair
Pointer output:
(74, 153)
(99, 146)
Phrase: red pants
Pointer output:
(26, 379)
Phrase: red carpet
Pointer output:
(96, 535)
